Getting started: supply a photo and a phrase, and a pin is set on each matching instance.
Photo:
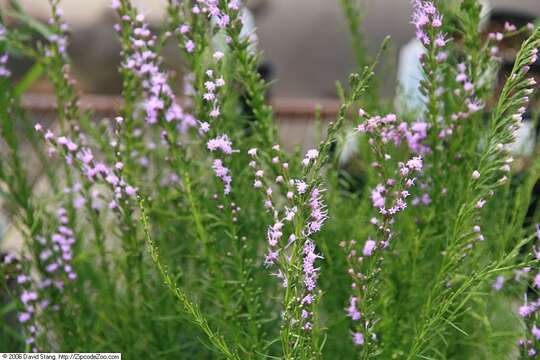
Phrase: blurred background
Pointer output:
(304, 42)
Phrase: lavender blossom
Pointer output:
(30, 303)
(310, 277)
(144, 63)
(4, 57)
(427, 19)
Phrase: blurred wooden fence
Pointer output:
(295, 116)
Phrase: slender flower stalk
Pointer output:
(389, 198)
(29, 303)
(299, 212)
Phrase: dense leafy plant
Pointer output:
(187, 232)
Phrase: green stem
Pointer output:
(190, 308)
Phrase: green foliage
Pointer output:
(170, 265)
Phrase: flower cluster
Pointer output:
(296, 195)
(29, 300)
(415, 135)
(213, 10)
(160, 101)
(221, 142)
(4, 71)
(212, 84)
(386, 130)
(310, 280)
(427, 19)
(275, 231)
(389, 130)
(352, 310)
(381, 192)
(318, 213)
(224, 174)
(467, 88)
(55, 263)
(58, 40)
(389, 198)
(89, 165)
(184, 30)
(470, 104)
(529, 310)
(213, 81)
(208, 94)
(311, 155)
(286, 186)
(57, 254)
(210, 8)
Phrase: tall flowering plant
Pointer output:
(181, 227)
